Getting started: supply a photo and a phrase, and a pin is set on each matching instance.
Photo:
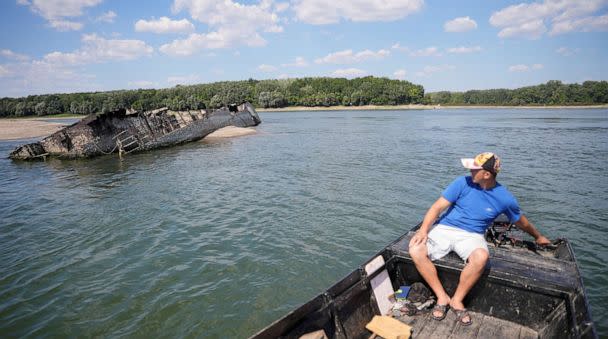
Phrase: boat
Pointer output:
(526, 291)
(125, 131)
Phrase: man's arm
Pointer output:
(429, 218)
(524, 224)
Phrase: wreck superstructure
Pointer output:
(125, 131)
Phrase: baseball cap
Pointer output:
(487, 161)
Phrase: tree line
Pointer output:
(309, 92)
(553, 92)
(261, 93)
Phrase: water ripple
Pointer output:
(219, 239)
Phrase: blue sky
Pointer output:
(62, 46)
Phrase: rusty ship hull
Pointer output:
(125, 132)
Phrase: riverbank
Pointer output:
(25, 128)
(418, 107)
(229, 132)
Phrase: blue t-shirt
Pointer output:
(473, 208)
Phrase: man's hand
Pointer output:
(542, 241)
(419, 238)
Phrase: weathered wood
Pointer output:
(438, 328)
(320, 334)
(497, 328)
(389, 328)
(528, 333)
(424, 326)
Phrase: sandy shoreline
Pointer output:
(12, 129)
(229, 132)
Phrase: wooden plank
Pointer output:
(438, 328)
(389, 328)
(383, 289)
(528, 333)
(417, 322)
(497, 328)
(320, 334)
(470, 331)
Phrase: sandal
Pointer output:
(461, 314)
(440, 308)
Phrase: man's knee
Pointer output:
(418, 251)
(479, 257)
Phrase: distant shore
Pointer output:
(417, 107)
(34, 127)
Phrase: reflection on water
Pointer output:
(220, 238)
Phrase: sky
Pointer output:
(66, 46)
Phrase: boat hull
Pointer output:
(123, 132)
(524, 292)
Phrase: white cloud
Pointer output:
(55, 11)
(214, 40)
(4, 71)
(348, 57)
(529, 20)
(267, 68)
(230, 24)
(281, 7)
(398, 47)
(164, 25)
(565, 51)
(108, 17)
(530, 30)
(321, 12)
(299, 62)
(183, 80)
(462, 24)
(142, 84)
(429, 51)
(400, 74)
(349, 73)
(462, 49)
(7, 53)
(38, 77)
(519, 68)
(588, 24)
(96, 49)
(526, 68)
(429, 70)
(283, 76)
(65, 25)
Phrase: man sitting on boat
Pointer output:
(472, 203)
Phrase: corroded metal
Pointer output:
(125, 131)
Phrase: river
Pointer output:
(218, 239)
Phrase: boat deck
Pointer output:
(483, 326)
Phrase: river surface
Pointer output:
(218, 239)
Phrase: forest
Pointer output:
(554, 92)
(308, 92)
(261, 93)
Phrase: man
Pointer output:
(472, 203)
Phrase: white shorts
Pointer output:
(442, 239)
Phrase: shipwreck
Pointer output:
(126, 131)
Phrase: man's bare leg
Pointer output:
(470, 275)
(426, 268)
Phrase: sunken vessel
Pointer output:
(125, 131)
